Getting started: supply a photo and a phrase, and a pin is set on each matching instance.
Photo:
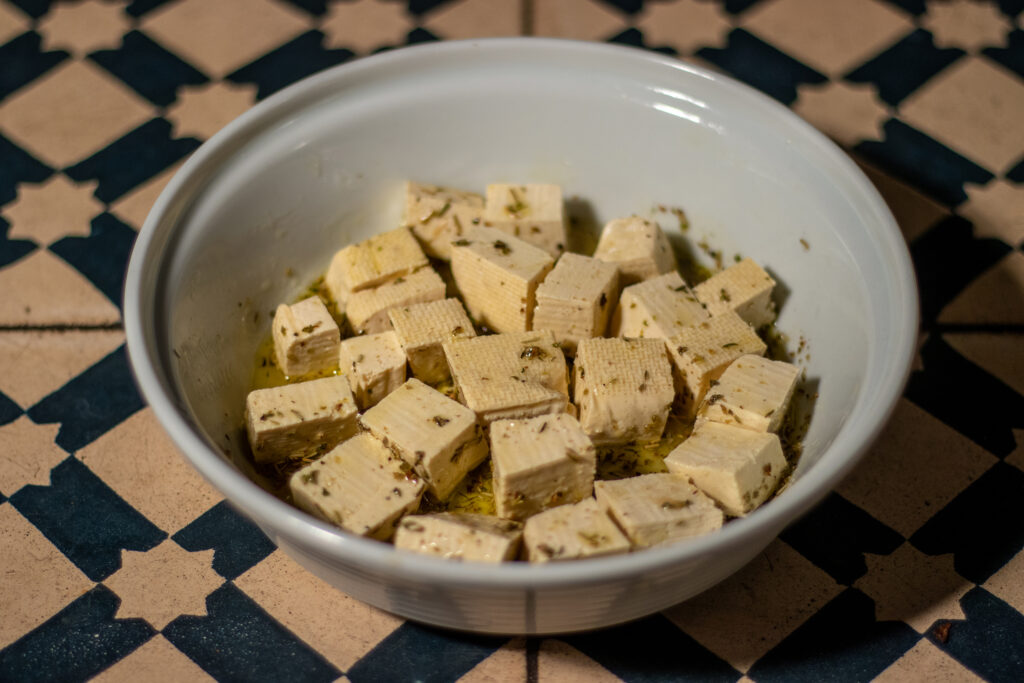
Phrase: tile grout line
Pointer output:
(526, 17)
(532, 652)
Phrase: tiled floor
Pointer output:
(911, 570)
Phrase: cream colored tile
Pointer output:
(138, 460)
(46, 580)
(974, 106)
(508, 663)
(202, 110)
(925, 663)
(133, 207)
(995, 296)
(686, 25)
(561, 662)
(914, 212)
(1007, 584)
(72, 111)
(579, 19)
(914, 469)
(84, 27)
(340, 628)
(29, 453)
(12, 22)
(966, 24)
(832, 37)
(996, 209)
(46, 212)
(219, 37)
(846, 112)
(476, 19)
(157, 660)
(42, 289)
(1002, 355)
(365, 25)
(751, 612)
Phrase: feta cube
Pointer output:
(576, 299)
(570, 532)
(306, 338)
(658, 508)
(373, 262)
(421, 328)
(753, 393)
(299, 420)
(510, 375)
(701, 352)
(623, 389)
(438, 215)
(360, 486)
(497, 275)
(638, 247)
(659, 307)
(374, 365)
(540, 463)
(744, 288)
(367, 310)
(533, 213)
(737, 467)
(465, 536)
(438, 437)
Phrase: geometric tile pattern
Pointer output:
(911, 570)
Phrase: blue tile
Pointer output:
(738, 6)
(759, 64)
(238, 544)
(904, 67)
(1011, 56)
(1011, 7)
(9, 410)
(627, 6)
(913, 6)
(238, 641)
(650, 650)
(151, 70)
(75, 644)
(980, 526)
(34, 8)
(137, 8)
(990, 641)
(423, 6)
(23, 61)
(420, 653)
(102, 256)
(18, 166)
(135, 158)
(315, 7)
(86, 519)
(924, 163)
(92, 403)
(842, 642)
(420, 35)
(301, 57)
(12, 250)
(1016, 174)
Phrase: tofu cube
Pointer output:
(701, 352)
(658, 508)
(438, 437)
(659, 307)
(306, 338)
(572, 532)
(744, 288)
(576, 299)
(299, 420)
(533, 213)
(374, 365)
(373, 262)
(465, 536)
(497, 275)
(737, 467)
(540, 463)
(422, 328)
(513, 375)
(367, 310)
(638, 247)
(753, 393)
(438, 215)
(360, 486)
(623, 389)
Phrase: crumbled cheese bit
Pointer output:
(638, 247)
(373, 262)
(374, 365)
(438, 215)
(571, 532)
(753, 393)
(306, 338)
(659, 307)
(460, 536)
(576, 299)
(421, 329)
(367, 310)
(533, 213)
(658, 508)
(744, 288)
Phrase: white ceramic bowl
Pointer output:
(319, 165)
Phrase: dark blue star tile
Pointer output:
(86, 519)
(9, 410)
(966, 397)
(652, 649)
(1016, 174)
(1011, 7)
(301, 57)
(424, 6)
(238, 544)
(627, 6)
(12, 250)
(752, 60)
(18, 166)
(154, 72)
(34, 8)
(980, 526)
(904, 67)
(92, 403)
(913, 6)
(137, 8)
(23, 61)
(102, 256)
(238, 641)
(1011, 56)
(75, 644)
(420, 35)
(738, 6)
(136, 157)
(315, 7)
(836, 535)
(421, 653)
(634, 38)
(924, 163)
(990, 641)
(842, 642)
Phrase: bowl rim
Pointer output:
(143, 290)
